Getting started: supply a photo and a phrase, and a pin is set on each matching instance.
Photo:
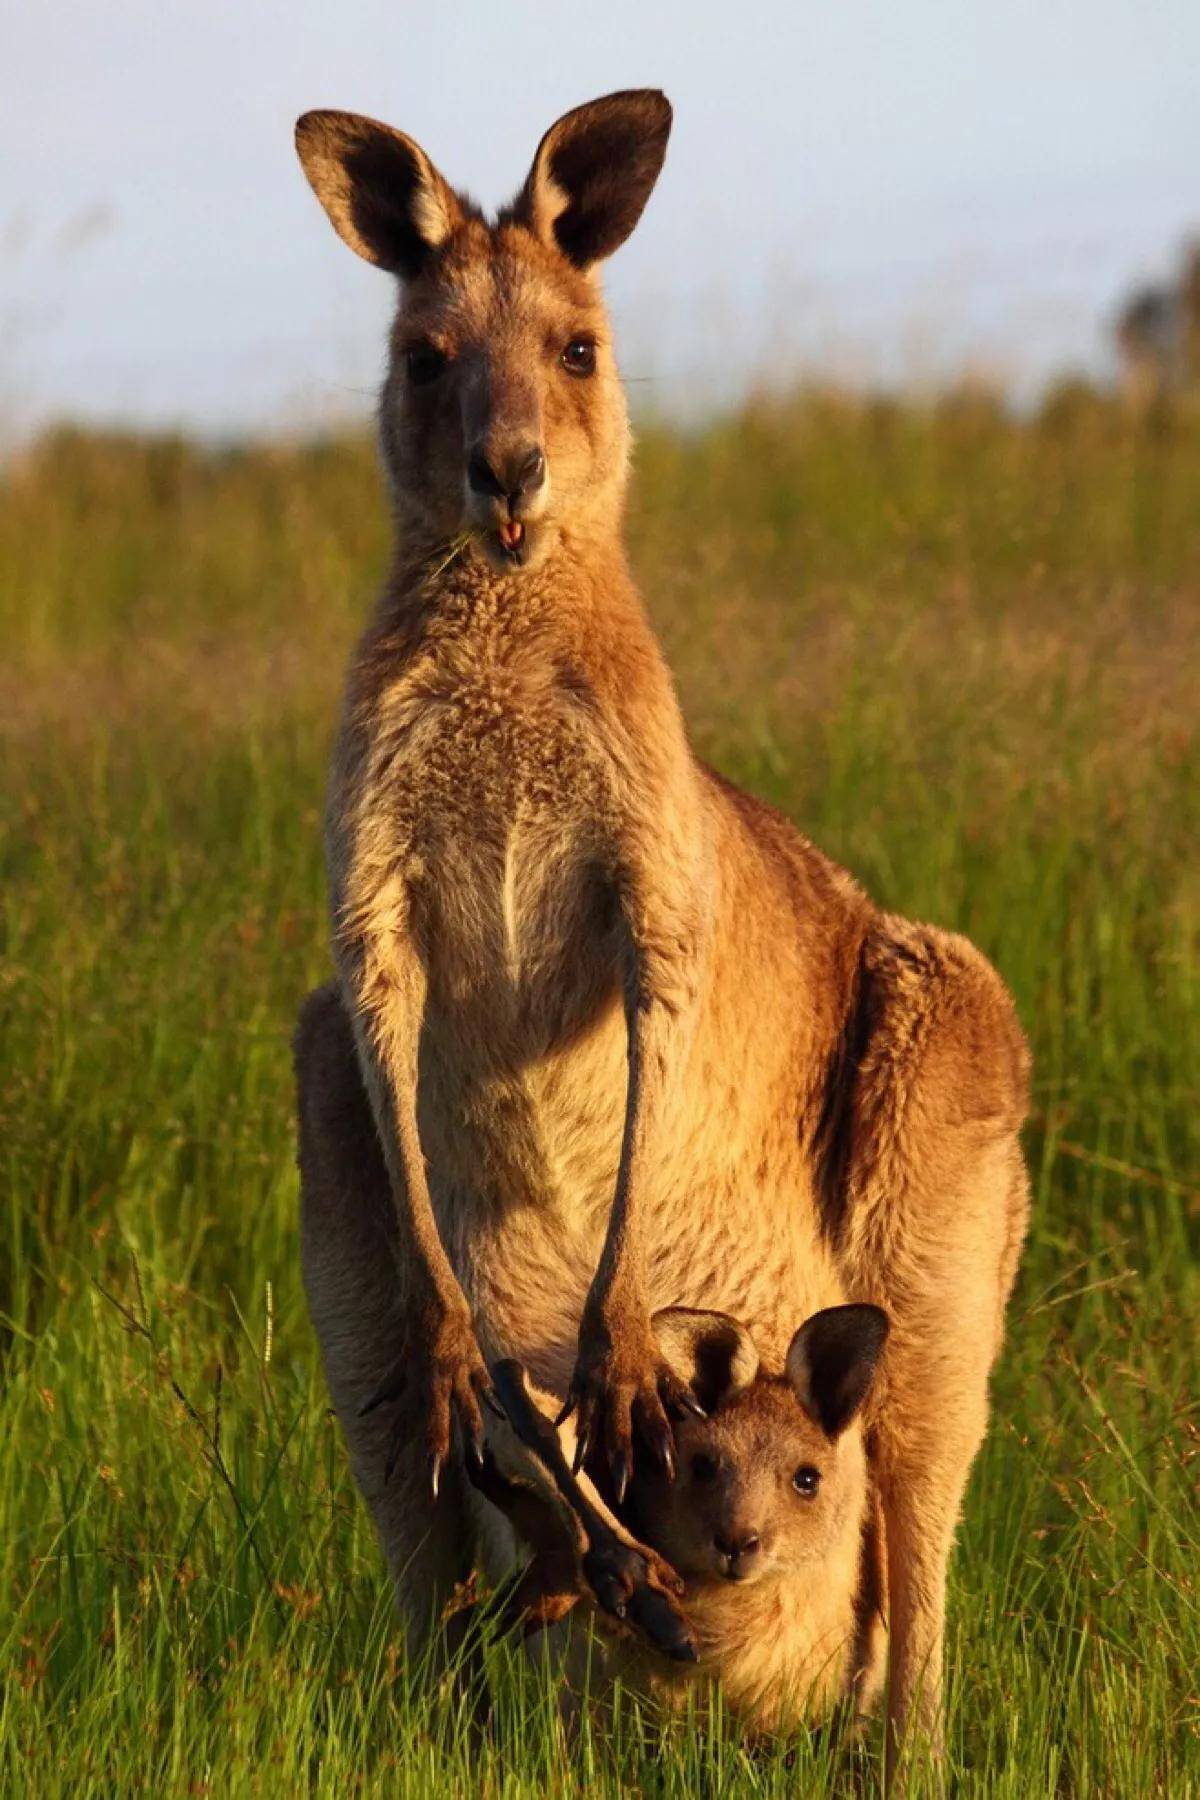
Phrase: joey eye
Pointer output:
(579, 357)
(703, 1467)
(424, 363)
(806, 1480)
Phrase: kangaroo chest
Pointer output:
(489, 789)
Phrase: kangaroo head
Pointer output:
(776, 1474)
(502, 414)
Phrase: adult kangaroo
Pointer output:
(608, 1035)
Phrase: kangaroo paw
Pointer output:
(629, 1582)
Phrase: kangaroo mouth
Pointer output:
(510, 542)
(513, 544)
(511, 537)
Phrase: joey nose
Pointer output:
(510, 477)
(738, 1546)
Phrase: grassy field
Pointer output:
(964, 653)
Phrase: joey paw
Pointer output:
(637, 1588)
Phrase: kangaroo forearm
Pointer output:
(667, 934)
(425, 1254)
(388, 1003)
(621, 1268)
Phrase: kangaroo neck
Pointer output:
(465, 596)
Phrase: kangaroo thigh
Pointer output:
(352, 1280)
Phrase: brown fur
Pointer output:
(629, 1040)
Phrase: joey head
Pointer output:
(775, 1474)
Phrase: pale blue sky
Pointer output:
(873, 189)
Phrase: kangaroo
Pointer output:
(607, 1035)
(768, 1520)
(771, 1495)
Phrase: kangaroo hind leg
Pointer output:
(933, 1213)
(353, 1282)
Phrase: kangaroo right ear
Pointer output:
(383, 195)
(710, 1351)
(832, 1360)
(593, 174)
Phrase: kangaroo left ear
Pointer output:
(382, 194)
(831, 1363)
(713, 1353)
(593, 174)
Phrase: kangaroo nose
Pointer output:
(737, 1545)
(515, 476)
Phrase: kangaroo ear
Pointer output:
(593, 173)
(383, 195)
(711, 1352)
(831, 1362)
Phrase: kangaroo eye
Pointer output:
(806, 1480)
(424, 363)
(703, 1467)
(579, 357)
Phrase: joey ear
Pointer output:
(710, 1351)
(383, 195)
(831, 1362)
(593, 174)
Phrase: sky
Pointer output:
(859, 191)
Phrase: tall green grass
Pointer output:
(961, 651)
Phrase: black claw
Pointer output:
(663, 1446)
(607, 1588)
(488, 1396)
(583, 1444)
(568, 1407)
(620, 1475)
(392, 1388)
(473, 1448)
(470, 1425)
(484, 1392)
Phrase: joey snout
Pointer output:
(739, 1549)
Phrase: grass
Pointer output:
(961, 650)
